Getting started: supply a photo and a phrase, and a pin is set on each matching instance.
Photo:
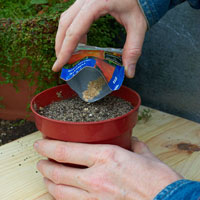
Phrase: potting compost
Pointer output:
(94, 72)
(77, 110)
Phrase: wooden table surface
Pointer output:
(176, 141)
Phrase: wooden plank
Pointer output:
(19, 178)
(164, 134)
(174, 140)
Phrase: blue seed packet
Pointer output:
(94, 72)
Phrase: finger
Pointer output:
(75, 32)
(64, 23)
(63, 192)
(83, 40)
(133, 46)
(139, 147)
(142, 149)
(66, 152)
(60, 174)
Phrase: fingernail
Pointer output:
(55, 66)
(131, 70)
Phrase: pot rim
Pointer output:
(85, 123)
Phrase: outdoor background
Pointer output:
(167, 75)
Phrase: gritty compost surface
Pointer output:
(77, 110)
(13, 129)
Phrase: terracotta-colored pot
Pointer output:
(16, 102)
(116, 131)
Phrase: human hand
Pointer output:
(113, 173)
(76, 21)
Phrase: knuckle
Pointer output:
(73, 35)
(69, 33)
(108, 154)
(81, 180)
(136, 52)
(63, 14)
(101, 182)
(56, 44)
(61, 24)
(62, 21)
(60, 152)
(55, 175)
(56, 48)
(58, 192)
(96, 183)
(84, 180)
(133, 53)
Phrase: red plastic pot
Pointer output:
(116, 131)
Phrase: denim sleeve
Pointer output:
(155, 9)
(180, 190)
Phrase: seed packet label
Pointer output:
(70, 70)
(94, 73)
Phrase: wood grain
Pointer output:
(174, 140)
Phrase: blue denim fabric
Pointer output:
(155, 9)
(180, 190)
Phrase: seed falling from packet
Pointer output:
(94, 72)
(94, 89)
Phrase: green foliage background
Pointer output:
(27, 32)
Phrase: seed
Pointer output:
(94, 89)
(85, 109)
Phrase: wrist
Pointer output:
(181, 189)
(166, 177)
(145, 16)
(153, 10)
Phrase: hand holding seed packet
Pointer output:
(94, 72)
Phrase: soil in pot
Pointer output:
(76, 110)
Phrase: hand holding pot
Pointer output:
(113, 172)
(76, 21)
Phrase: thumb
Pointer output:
(133, 47)
(142, 149)
(138, 146)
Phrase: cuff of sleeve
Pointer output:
(177, 190)
(149, 12)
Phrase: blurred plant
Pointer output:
(145, 115)
(21, 122)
